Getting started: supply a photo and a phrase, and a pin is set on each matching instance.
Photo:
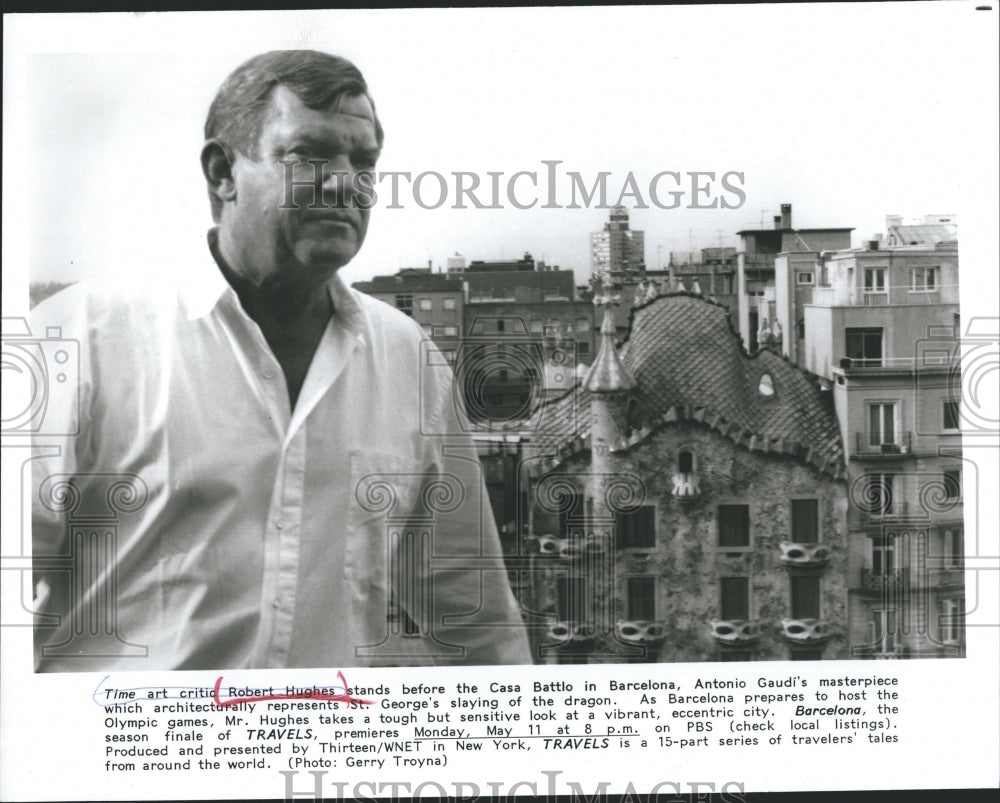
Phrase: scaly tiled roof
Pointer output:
(689, 365)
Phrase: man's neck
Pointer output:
(279, 299)
(292, 316)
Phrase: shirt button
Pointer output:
(276, 602)
(279, 523)
(268, 373)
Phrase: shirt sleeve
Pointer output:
(62, 391)
(470, 600)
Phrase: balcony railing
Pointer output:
(884, 581)
(878, 364)
(870, 445)
(890, 512)
(884, 296)
(687, 485)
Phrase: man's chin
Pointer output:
(324, 256)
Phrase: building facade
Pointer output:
(618, 250)
(687, 502)
(755, 267)
(433, 300)
(881, 327)
(525, 336)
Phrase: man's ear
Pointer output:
(217, 165)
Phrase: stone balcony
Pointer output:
(641, 631)
(806, 631)
(735, 631)
(568, 549)
(805, 555)
(570, 633)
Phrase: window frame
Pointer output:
(954, 405)
(795, 602)
(404, 303)
(791, 519)
(883, 546)
(952, 478)
(925, 271)
(749, 527)
(888, 479)
(951, 621)
(883, 405)
(954, 548)
(678, 460)
(866, 334)
(745, 602)
(649, 580)
(878, 274)
(623, 542)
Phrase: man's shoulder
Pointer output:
(114, 302)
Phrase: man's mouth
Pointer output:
(332, 217)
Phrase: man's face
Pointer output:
(315, 240)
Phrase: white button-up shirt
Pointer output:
(185, 517)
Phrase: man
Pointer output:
(267, 467)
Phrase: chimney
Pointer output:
(777, 221)
(786, 216)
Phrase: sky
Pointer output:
(848, 112)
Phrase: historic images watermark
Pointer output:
(550, 788)
(310, 182)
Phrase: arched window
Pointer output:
(685, 462)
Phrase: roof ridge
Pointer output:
(708, 418)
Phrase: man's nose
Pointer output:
(339, 182)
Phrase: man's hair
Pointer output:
(237, 115)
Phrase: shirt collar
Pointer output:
(201, 294)
(201, 290)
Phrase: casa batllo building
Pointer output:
(688, 501)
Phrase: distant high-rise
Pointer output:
(618, 249)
